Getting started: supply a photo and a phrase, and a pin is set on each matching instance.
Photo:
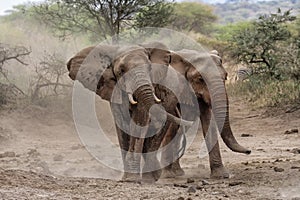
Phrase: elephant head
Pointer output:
(103, 65)
(134, 61)
(198, 68)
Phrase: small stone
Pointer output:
(190, 180)
(295, 151)
(8, 154)
(235, 183)
(180, 198)
(295, 198)
(191, 189)
(246, 135)
(278, 169)
(291, 131)
(205, 182)
(260, 149)
(58, 158)
(180, 185)
(199, 187)
(33, 152)
(215, 193)
(295, 167)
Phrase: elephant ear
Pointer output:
(92, 67)
(160, 58)
(214, 54)
(187, 95)
(75, 62)
(179, 63)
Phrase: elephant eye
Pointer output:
(168, 58)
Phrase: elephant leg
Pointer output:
(124, 146)
(131, 172)
(216, 165)
(123, 137)
(152, 169)
(176, 167)
(133, 160)
(134, 154)
(169, 157)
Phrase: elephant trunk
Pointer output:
(144, 95)
(228, 137)
(220, 109)
(140, 94)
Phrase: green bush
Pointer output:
(270, 47)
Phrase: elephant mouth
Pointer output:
(201, 97)
(133, 99)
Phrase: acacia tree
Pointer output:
(101, 18)
(262, 45)
(193, 16)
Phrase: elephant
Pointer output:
(112, 62)
(195, 67)
(123, 76)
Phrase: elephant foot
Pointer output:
(151, 170)
(151, 177)
(177, 170)
(168, 173)
(131, 177)
(172, 171)
(219, 173)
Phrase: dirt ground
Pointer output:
(41, 157)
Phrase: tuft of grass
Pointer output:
(262, 92)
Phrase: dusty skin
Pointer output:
(41, 157)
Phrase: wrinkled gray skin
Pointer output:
(112, 62)
(184, 61)
(121, 60)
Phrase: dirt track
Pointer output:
(41, 157)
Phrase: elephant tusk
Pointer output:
(215, 52)
(156, 98)
(131, 99)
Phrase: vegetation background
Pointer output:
(36, 40)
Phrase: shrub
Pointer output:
(261, 92)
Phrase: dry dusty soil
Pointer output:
(41, 157)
